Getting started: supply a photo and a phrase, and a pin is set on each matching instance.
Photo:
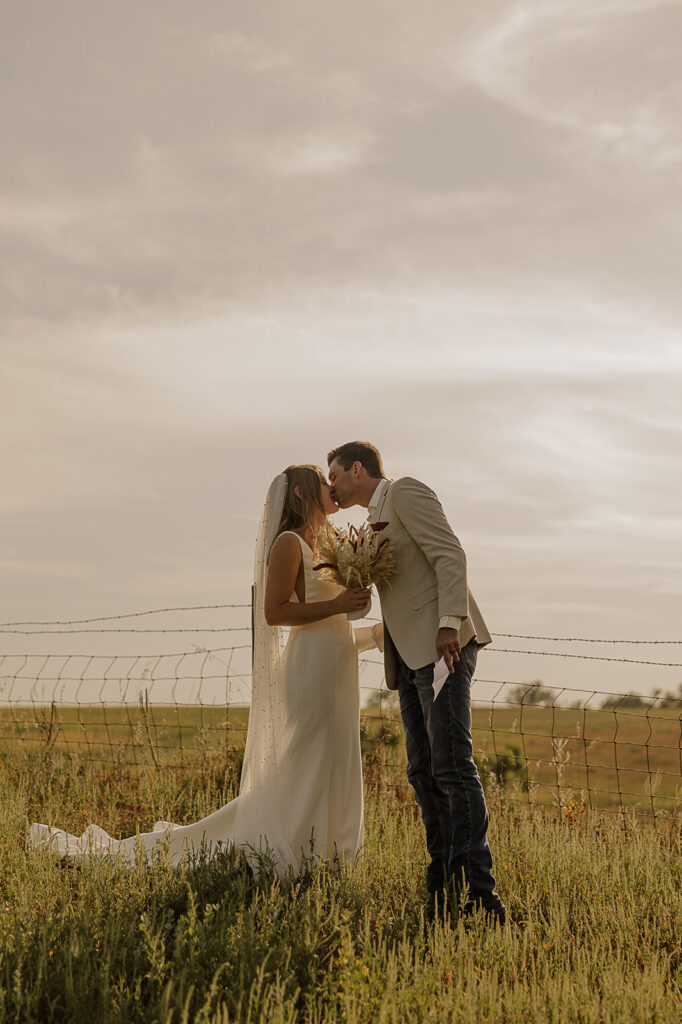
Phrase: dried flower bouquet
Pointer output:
(356, 557)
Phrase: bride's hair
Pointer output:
(299, 511)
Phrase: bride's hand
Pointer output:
(353, 600)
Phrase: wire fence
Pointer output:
(575, 749)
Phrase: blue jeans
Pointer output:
(442, 771)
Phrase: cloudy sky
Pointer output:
(234, 235)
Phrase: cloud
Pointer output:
(607, 70)
(191, 163)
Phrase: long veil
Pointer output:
(264, 791)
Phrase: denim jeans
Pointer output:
(442, 771)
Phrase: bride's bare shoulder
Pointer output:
(285, 547)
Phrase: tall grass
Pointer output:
(594, 906)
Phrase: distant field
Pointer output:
(608, 758)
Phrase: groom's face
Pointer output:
(344, 483)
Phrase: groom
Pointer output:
(429, 614)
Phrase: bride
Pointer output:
(300, 796)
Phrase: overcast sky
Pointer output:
(235, 235)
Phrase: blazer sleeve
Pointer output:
(421, 513)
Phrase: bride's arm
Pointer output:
(283, 567)
(369, 637)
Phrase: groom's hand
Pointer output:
(448, 647)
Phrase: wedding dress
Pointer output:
(300, 797)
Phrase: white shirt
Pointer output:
(375, 502)
(377, 498)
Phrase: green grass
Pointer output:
(594, 906)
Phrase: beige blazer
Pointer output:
(430, 578)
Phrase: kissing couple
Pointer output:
(301, 789)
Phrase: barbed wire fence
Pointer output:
(575, 749)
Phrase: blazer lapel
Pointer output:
(376, 516)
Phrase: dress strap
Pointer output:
(299, 537)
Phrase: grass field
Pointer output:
(608, 758)
(593, 900)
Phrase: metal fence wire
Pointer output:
(574, 749)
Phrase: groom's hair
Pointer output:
(358, 451)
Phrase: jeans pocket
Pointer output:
(469, 656)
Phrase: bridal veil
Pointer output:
(264, 790)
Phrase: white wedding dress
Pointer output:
(301, 795)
